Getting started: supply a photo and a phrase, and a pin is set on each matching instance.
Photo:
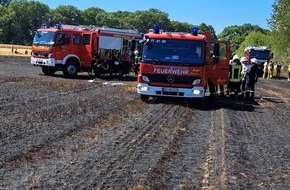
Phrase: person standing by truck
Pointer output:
(289, 73)
(244, 62)
(265, 74)
(235, 78)
(251, 78)
(271, 70)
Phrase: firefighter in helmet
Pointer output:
(289, 73)
(235, 78)
(244, 62)
(136, 62)
(251, 77)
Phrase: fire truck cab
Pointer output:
(261, 53)
(181, 65)
(74, 49)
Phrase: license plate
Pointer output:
(39, 61)
(168, 89)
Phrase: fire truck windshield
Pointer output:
(174, 52)
(259, 54)
(44, 38)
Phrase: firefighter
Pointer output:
(270, 70)
(136, 62)
(244, 62)
(235, 78)
(289, 73)
(278, 70)
(265, 74)
(251, 78)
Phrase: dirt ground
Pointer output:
(58, 133)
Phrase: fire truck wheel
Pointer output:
(48, 70)
(144, 98)
(197, 103)
(70, 69)
(120, 72)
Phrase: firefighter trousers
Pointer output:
(235, 89)
(250, 89)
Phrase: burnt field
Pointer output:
(58, 133)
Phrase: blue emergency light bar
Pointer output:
(58, 26)
(43, 25)
(156, 29)
(194, 31)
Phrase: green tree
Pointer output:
(255, 38)
(177, 26)
(237, 34)
(66, 14)
(280, 26)
(88, 16)
(208, 28)
(107, 20)
(144, 20)
(22, 17)
(5, 2)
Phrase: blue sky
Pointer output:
(218, 13)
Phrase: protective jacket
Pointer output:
(235, 72)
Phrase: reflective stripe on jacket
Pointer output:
(235, 72)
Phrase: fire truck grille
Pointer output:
(44, 54)
(186, 80)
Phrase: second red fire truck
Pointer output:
(181, 65)
(74, 49)
(261, 53)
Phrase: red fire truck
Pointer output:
(74, 49)
(181, 64)
(261, 53)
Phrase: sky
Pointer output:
(217, 13)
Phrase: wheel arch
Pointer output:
(74, 58)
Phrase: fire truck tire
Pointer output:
(144, 98)
(48, 70)
(197, 103)
(120, 72)
(70, 69)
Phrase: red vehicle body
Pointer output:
(74, 49)
(181, 64)
(261, 53)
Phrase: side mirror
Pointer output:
(216, 53)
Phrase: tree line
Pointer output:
(19, 17)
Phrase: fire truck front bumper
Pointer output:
(195, 92)
(43, 62)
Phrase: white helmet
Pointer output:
(254, 60)
(136, 52)
(236, 57)
(243, 59)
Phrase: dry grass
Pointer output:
(6, 50)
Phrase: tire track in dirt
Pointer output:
(215, 166)
(56, 142)
(249, 129)
(62, 116)
(138, 147)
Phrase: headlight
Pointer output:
(196, 92)
(145, 79)
(144, 88)
(196, 81)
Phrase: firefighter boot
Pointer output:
(252, 95)
(247, 95)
